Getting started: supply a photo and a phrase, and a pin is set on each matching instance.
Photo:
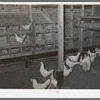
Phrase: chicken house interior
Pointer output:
(49, 46)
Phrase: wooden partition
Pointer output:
(42, 37)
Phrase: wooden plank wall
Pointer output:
(90, 37)
(96, 35)
(46, 29)
(71, 34)
(11, 16)
(87, 33)
(45, 32)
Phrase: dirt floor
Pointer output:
(78, 79)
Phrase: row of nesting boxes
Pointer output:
(43, 36)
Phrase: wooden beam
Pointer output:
(45, 31)
(12, 32)
(30, 13)
(92, 22)
(81, 32)
(60, 38)
(14, 46)
(27, 61)
(90, 26)
(71, 25)
(44, 6)
(90, 17)
(60, 46)
(32, 27)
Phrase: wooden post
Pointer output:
(60, 45)
(30, 12)
(28, 60)
(81, 32)
(92, 22)
(53, 36)
(71, 25)
(8, 41)
(32, 26)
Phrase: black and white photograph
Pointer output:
(49, 46)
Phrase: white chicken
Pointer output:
(26, 27)
(82, 59)
(40, 85)
(44, 72)
(92, 55)
(74, 57)
(53, 80)
(19, 39)
(97, 50)
(67, 71)
(85, 63)
(71, 63)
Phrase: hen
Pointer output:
(82, 59)
(71, 63)
(85, 63)
(53, 80)
(19, 39)
(97, 50)
(67, 71)
(92, 55)
(74, 57)
(44, 72)
(40, 85)
(26, 27)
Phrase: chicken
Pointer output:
(85, 63)
(92, 55)
(40, 85)
(74, 57)
(82, 59)
(26, 27)
(44, 72)
(67, 71)
(71, 63)
(97, 50)
(19, 39)
(53, 80)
